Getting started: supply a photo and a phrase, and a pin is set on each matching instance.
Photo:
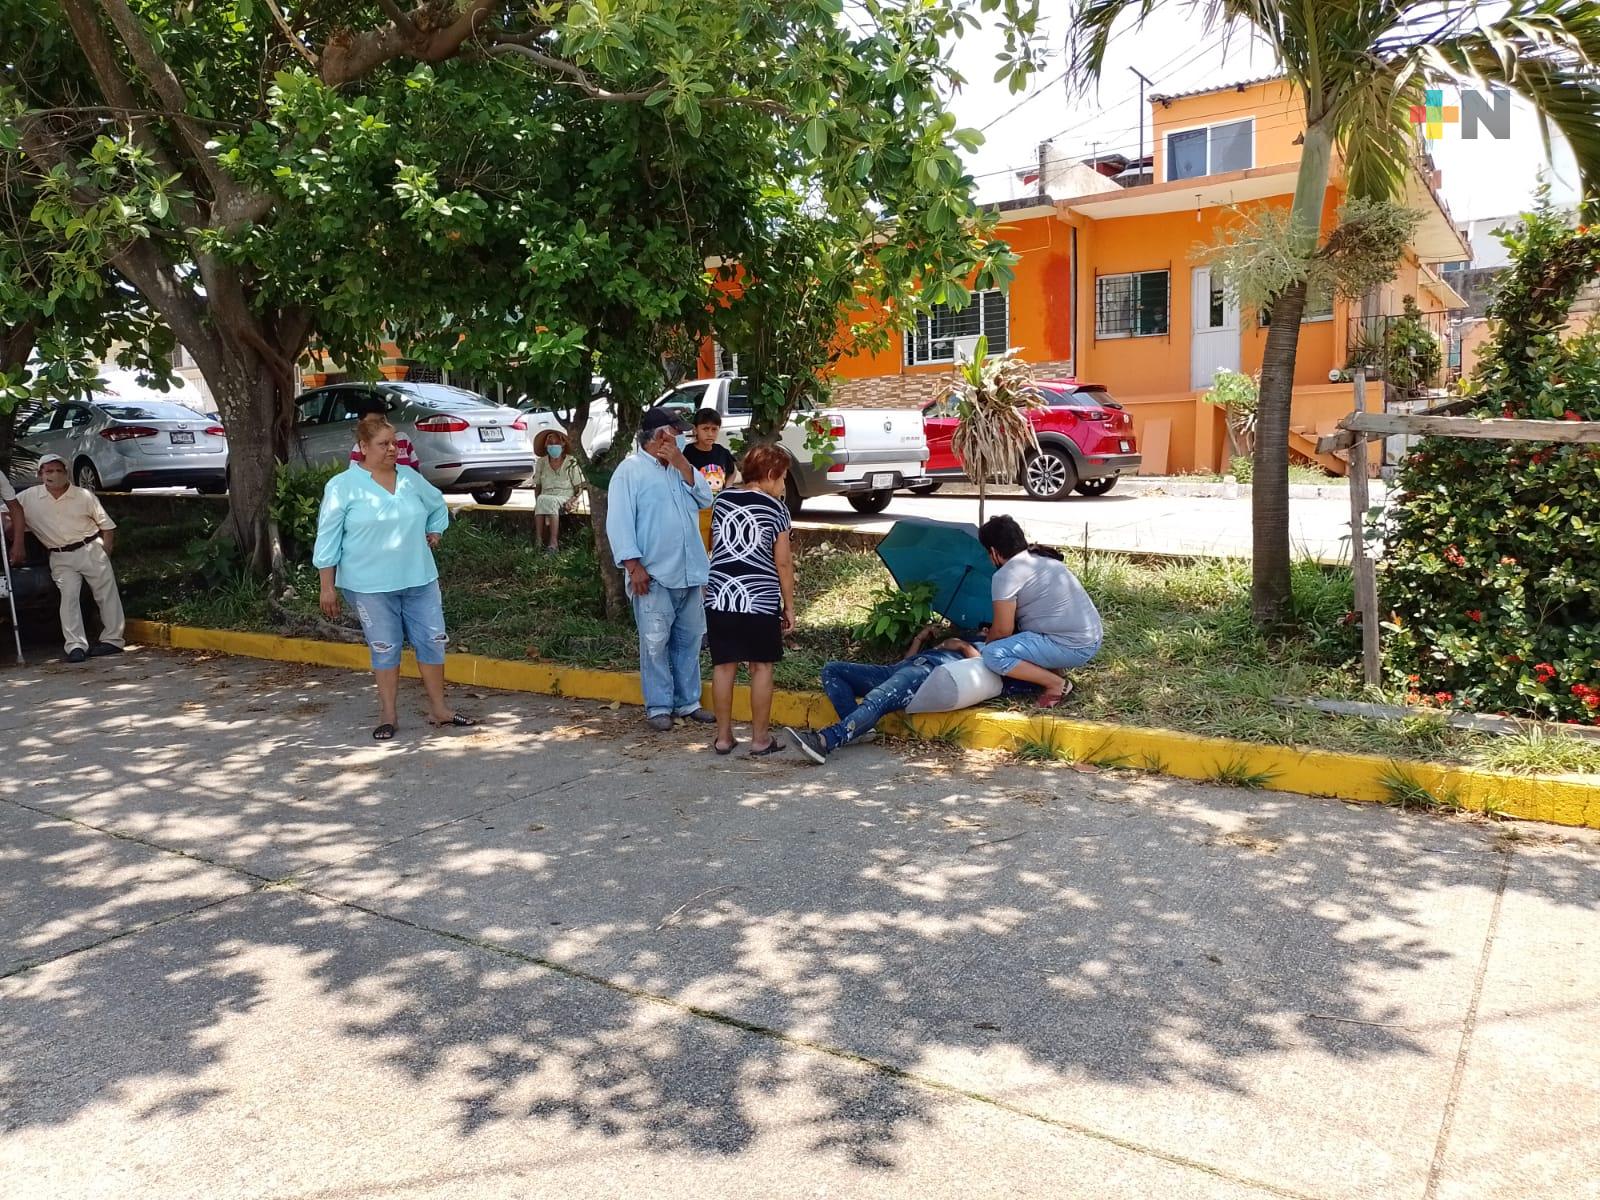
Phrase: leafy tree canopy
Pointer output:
(529, 187)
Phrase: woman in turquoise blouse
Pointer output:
(376, 532)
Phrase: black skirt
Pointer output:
(744, 637)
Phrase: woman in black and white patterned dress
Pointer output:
(750, 595)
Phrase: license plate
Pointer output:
(491, 433)
(882, 482)
(1124, 444)
(182, 439)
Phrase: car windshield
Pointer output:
(739, 398)
(1083, 397)
(150, 410)
(439, 395)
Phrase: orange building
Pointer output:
(1107, 288)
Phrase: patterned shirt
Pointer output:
(745, 526)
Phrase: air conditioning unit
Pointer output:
(966, 348)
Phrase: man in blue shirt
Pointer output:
(653, 523)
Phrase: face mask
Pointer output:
(553, 451)
(683, 440)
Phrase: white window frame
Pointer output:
(943, 350)
(1166, 147)
(1101, 336)
(722, 362)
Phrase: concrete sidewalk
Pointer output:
(246, 952)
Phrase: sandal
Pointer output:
(772, 747)
(730, 748)
(456, 721)
(1046, 700)
(383, 733)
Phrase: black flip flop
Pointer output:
(457, 721)
(775, 745)
(731, 747)
(383, 733)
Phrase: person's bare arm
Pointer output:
(966, 649)
(783, 559)
(1005, 619)
(921, 640)
(108, 539)
(664, 446)
(329, 599)
(19, 529)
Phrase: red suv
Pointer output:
(1085, 441)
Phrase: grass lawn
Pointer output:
(1180, 650)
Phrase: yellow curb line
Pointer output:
(1557, 799)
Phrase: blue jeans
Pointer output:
(863, 694)
(1003, 654)
(389, 619)
(671, 622)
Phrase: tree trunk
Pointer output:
(611, 581)
(1269, 494)
(1269, 593)
(16, 344)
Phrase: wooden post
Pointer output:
(1366, 582)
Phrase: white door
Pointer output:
(1216, 330)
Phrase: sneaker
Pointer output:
(101, 649)
(77, 655)
(704, 715)
(810, 744)
(661, 722)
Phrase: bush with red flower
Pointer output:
(1492, 566)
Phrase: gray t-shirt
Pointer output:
(1050, 600)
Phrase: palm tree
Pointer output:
(992, 395)
(1360, 66)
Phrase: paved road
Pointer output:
(246, 953)
(1149, 524)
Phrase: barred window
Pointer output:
(727, 361)
(1133, 305)
(934, 339)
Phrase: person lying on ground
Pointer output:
(1044, 622)
(862, 694)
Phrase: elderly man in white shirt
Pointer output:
(76, 530)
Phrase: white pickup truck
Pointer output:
(875, 450)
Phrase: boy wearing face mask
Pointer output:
(713, 461)
(556, 483)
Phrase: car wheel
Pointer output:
(926, 488)
(498, 494)
(85, 476)
(792, 499)
(870, 502)
(1049, 474)
(1097, 487)
(212, 489)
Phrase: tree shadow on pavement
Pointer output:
(559, 923)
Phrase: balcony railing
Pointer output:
(1416, 352)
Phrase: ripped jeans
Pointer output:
(671, 622)
(389, 619)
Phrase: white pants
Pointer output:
(92, 565)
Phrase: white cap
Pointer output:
(46, 459)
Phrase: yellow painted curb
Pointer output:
(1557, 799)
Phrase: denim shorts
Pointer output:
(1003, 654)
(389, 619)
